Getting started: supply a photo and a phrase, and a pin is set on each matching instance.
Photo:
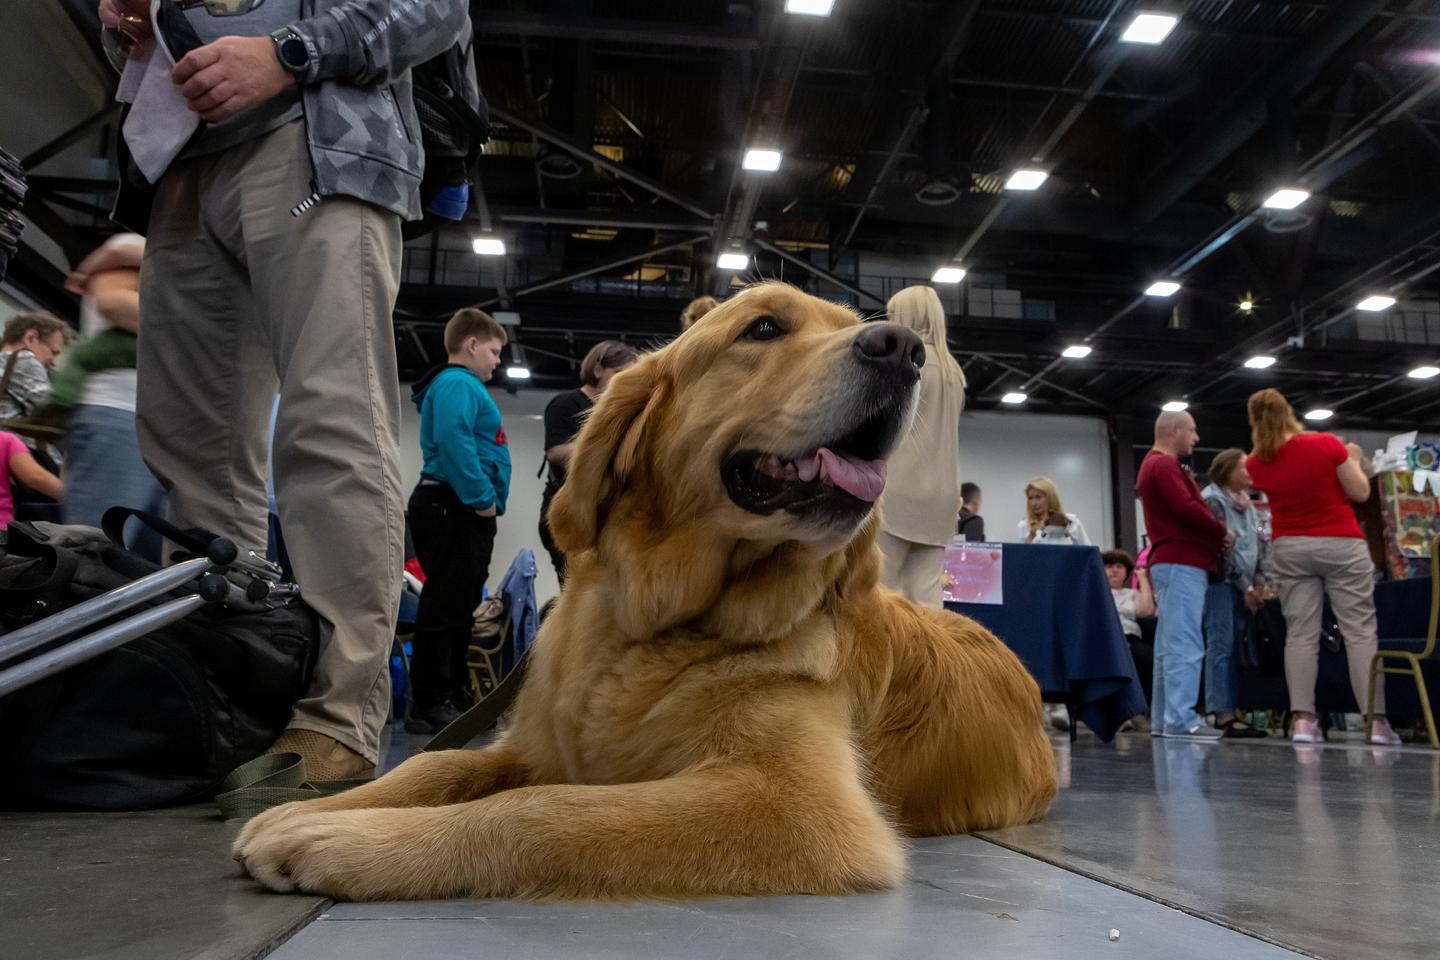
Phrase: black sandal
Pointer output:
(1246, 732)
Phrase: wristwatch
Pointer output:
(290, 49)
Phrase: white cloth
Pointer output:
(110, 388)
(1127, 605)
(160, 122)
(1074, 532)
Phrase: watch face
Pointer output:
(292, 51)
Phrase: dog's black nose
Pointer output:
(891, 345)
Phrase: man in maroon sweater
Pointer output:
(1185, 545)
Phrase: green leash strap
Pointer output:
(486, 712)
(268, 781)
(275, 778)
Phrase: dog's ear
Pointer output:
(604, 455)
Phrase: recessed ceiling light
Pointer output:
(1424, 373)
(1260, 362)
(1026, 179)
(732, 261)
(1078, 352)
(766, 160)
(948, 275)
(1162, 288)
(1175, 406)
(1246, 305)
(1319, 413)
(811, 8)
(1014, 397)
(488, 246)
(517, 373)
(1151, 28)
(1287, 198)
(1375, 303)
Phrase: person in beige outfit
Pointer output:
(918, 514)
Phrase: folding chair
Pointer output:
(1411, 659)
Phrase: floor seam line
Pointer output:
(1118, 885)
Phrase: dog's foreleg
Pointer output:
(425, 780)
(728, 829)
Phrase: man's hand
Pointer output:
(1355, 452)
(222, 78)
(487, 512)
(1229, 539)
(1253, 600)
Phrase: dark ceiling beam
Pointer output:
(770, 106)
(611, 219)
(1295, 326)
(820, 272)
(1231, 124)
(556, 138)
(572, 275)
(69, 138)
(637, 32)
(930, 80)
(1040, 155)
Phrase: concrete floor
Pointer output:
(1331, 850)
(1327, 851)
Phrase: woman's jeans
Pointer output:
(103, 469)
(1226, 620)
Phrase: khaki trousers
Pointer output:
(241, 298)
(1306, 570)
(914, 570)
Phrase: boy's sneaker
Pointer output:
(1198, 732)
(1382, 735)
(431, 719)
(1307, 731)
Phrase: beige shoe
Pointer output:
(325, 757)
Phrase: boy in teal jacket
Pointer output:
(462, 489)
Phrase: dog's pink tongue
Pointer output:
(864, 479)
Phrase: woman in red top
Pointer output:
(1311, 479)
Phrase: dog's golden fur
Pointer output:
(721, 702)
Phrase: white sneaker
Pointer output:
(1198, 732)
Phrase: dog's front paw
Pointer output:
(347, 855)
(269, 821)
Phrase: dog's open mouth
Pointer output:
(846, 474)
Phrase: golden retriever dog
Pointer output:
(724, 701)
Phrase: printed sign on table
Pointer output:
(973, 573)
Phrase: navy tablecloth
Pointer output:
(1059, 618)
(1402, 609)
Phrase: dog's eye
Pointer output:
(766, 328)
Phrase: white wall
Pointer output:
(1003, 450)
(525, 431)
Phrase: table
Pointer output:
(1060, 620)
(1402, 609)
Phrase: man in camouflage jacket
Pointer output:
(272, 264)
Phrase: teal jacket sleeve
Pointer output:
(453, 418)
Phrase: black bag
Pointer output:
(454, 124)
(157, 722)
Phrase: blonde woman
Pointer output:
(918, 517)
(1045, 519)
(1310, 480)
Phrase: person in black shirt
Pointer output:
(563, 418)
(971, 525)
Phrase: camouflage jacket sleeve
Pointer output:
(370, 42)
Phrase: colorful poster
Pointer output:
(973, 573)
